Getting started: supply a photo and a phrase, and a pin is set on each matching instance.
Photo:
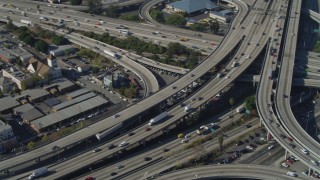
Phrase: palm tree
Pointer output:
(220, 140)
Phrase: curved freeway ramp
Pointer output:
(144, 14)
(229, 171)
(132, 111)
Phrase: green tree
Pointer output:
(213, 26)
(41, 46)
(31, 145)
(157, 15)
(95, 6)
(45, 138)
(1, 94)
(198, 27)
(95, 69)
(76, 2)
(59, 40)
(220, 141)
(130, 17)
(130, 92)
(176, 20)
(10, 25)
(29, 40)
(112, 11)
(250, 103)
(19, 62)
(231, 102)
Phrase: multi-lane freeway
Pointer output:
(229, 171)
(253, 30)
(265, 102)
(134, 110)
(243, 61)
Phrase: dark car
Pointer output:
(147, 158)
(113, 173)
(166, 150)
(131, 134)
(292, 145)
(282, 136)
(111, 146)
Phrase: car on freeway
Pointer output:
(90, 178)
(124, 143)
(277, 124)
(131, 134)
(96, 150)
(111, 146)
(292, 145)
(187, 136)
(120, 166)
(314, 162)
(289, 161)
(147, 158)
(282, 136)
(271, 147)
(290, 139)
(304, 151)
(184, 141)
(147, 129)
(166, 150)
(285, 165)
(113, 174)
(115, 116)
(305, 172)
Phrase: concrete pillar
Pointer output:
(286, 155)
(309, 172)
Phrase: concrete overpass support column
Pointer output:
(261, 123)
(309, 172)
(286, 155)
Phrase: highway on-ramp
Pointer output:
(136, 109)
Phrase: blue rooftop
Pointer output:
(191, 6)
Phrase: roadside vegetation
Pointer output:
(37, 37)
(153, 51)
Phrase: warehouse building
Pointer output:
(77, 93)
(28, 112)
(59, 118)
(73, 101)
(224, 16)
(192, 6)
(7, 104)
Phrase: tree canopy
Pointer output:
(59, 40)
(130, 17)
(176, 20)
(157, 15)
(250, 103)
(95, 6)
(41, 46)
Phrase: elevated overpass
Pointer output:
(135, 110)
(314, 83)
(112, 27)
(269, 107)
(213, 87)
(246, 171)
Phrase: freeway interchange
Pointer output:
(250, 32)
